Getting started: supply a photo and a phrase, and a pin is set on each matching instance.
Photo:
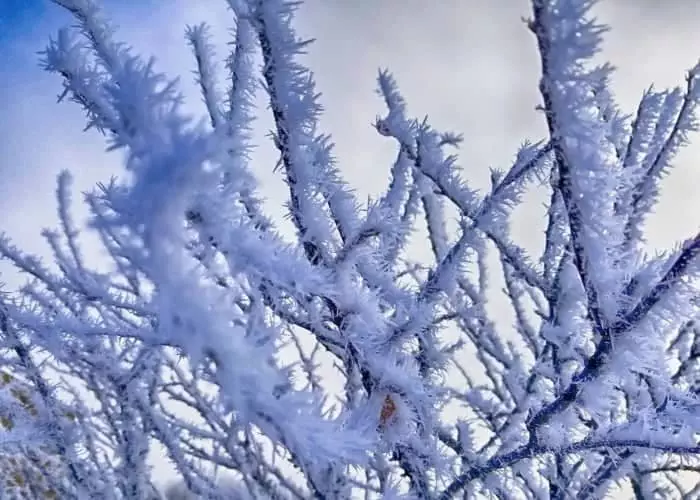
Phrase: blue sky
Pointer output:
(15, 15)
(27, 23)
(19, 22)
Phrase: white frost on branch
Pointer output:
(207, 333)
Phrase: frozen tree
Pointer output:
(203, 336)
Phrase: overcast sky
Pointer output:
(469, 64)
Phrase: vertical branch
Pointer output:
(199, 38)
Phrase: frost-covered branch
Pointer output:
(334, 363)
